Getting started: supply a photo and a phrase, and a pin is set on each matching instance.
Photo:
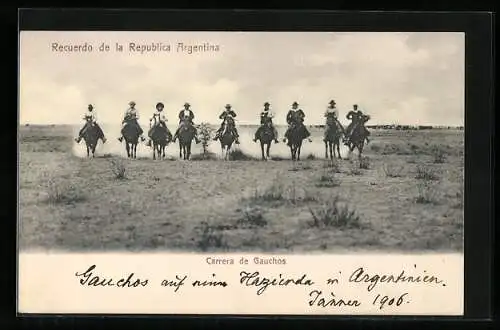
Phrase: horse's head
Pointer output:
(330, 119)
(229, 121)
(186, 124)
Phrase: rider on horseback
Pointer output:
(227, 114)
(157, 119)
(131, 116)
(187, 115)
(331, 113)
(266, 116)
(357, 118)
(296, 117)
(90, 119)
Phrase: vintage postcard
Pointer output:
(308, 173)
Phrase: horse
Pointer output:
(186, 136)
(91, 137)
(131, 135)
(358, 136)
(333, 134)
(227, 137)
(295, 138)
(160, 138)
(266, 136)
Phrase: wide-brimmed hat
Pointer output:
(131, 103)
(187, 104)
(354, 105)
(228, 105)
(267, 103)
(160, 105)
(90, 106)
(295, 103)
(333, 102)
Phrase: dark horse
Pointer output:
(186, 136)
(266, 137)
(227, 137)
(358, 136)
(295, 137)
(333, 134)
(160, 138)
(131, 135)
(91, 137)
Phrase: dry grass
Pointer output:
(393, 170)
(63, 193)
(427, 173)
(428, 192)
(331, 214)
(118, 168)
(71, 203)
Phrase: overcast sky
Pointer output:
(405, 78)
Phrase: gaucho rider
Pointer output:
(227, 114)
(295, 117)
(357, 118)
(186, 115)
(131, 118)
(90, 119)
(158, 118)
(332, 113)
(266, 116)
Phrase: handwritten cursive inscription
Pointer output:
(360, 276)
(89, 279)
(253, 279)
(319, 300)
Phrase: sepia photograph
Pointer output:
(241, 142)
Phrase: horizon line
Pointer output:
(251, 124)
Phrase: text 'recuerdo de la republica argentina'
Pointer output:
(135, 47)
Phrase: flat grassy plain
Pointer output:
(406, 195)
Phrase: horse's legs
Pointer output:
(326, 149)
(338, 150)
(298, 150)
(268, 149)
(127, 147)
(262, 150)
(360, 148)
(88, 152)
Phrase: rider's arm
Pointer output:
(233, 113)
(222, 115)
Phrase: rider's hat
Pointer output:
(91, 106)
(354, 105)
(159, 105)
(131, 103)
(295, 103)
(187, 104)
(267, 103)
(228, 106)
(332, 102)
